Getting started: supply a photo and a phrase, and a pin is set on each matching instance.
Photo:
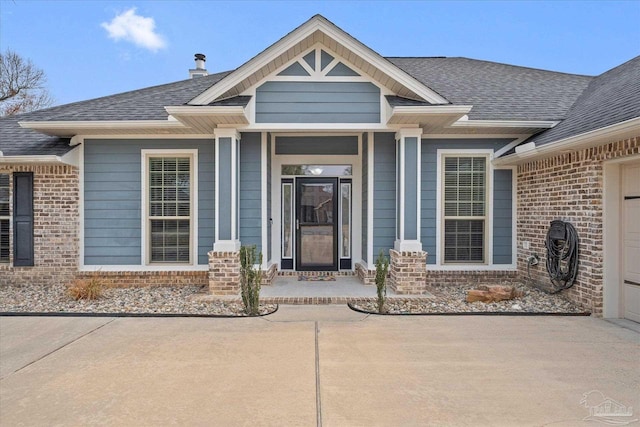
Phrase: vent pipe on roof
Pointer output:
(199, 71)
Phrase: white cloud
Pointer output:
(136, 29)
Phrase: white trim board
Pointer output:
(277, 160)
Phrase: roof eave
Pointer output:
(69, 128)
(70, 158)
(622, 130)
(537, 124)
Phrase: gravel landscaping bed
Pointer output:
(452, 299)
(144, 300)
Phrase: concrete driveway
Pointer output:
(315, 365)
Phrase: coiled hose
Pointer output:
(562, 257)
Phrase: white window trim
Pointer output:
(8, 218)
(488, 250)
(193, 238)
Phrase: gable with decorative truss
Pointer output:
(317, 87)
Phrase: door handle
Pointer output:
(297, 225)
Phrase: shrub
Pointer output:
(382, 269)
(250, 279)
(89, 289)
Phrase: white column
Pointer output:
(408, 175)
(227, 173)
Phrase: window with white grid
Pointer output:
(169, 208)
(465, 208)
(4, 217)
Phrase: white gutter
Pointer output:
(205, 111)
(70, 158)
(537, 124)
(530, 151)
(431, 109)
(58, 128)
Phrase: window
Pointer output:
(465, 195)
(4, 217)
(169, 211)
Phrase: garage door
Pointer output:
(631, 242)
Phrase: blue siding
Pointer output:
(334, 145)
(310, 58)
(317, 102)
(325, 59)
(112, 193)
(294, 69)
(429, 183)
(384, 193)
(502, 216)
(342, 70)
(250, 190)
(365, 195)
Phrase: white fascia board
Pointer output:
(430, 110)
(537, 124)
(583, 140)
(32, 159)
(219, 110)
(305, 30)
(58, 128)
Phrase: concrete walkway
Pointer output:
(314, 365)
(340, 288)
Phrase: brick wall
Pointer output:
(55, 205)
(121, 279)
(568, 186)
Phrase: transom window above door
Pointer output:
(317, 170)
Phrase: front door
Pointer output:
(316, 224)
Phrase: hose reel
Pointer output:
(562, 255)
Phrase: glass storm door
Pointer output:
(316, 224)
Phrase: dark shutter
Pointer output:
(23, 219)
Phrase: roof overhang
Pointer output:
(70, 158)
(428, 117)
(318, 30)
(465, 122)
(68, 128)
(205, 119)
(529, 152)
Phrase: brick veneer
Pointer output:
(366, 276)
(55, 226)
(568, 186)
(121, 279)
(224, 273)
(408, 272)
(269, 274)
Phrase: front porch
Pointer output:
(344, 288)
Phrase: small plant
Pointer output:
(88, 289)
(382, 269)
(250, 279)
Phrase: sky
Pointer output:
(93, 48)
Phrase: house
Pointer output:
(323, 153)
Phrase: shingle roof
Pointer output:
(142, 104)
(612, 97)
(497, 91)
(397, 101)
